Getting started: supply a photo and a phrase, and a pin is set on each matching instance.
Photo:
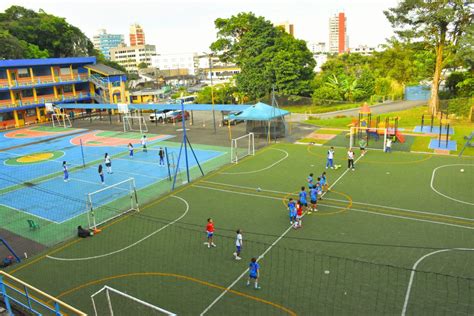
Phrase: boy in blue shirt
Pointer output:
(324, 182)
(254, 272)
(310, 181)
(302, 197)
(292, 209)
(314, 199)
(319, 189)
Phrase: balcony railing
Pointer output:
(41, 99)
(39, 80)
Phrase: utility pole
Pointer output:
(212, 93)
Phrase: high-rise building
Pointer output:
(287, 27)
(103, 42)
(317, 47)
(338, 38)
(131, 57)
(137, 36)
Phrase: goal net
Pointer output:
(242, 146)
(60, 120)
(134, 123)
(109, 301)
(375, 138)
(112, 201)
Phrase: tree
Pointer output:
(142, 65)
(266, 55)
(438, 23)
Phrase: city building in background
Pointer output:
(130, 57)
(317, 47)
(220, 72)
(289, 28)
(26, 85)
(338, 38)
(103, 42)
(363, 50)
(179, 63)
(137, 36)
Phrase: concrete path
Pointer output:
(376, 109)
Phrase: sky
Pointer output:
(180, 26)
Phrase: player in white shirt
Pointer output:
(143, 141)
(350, 159)
(330, 159)
(388, 146)
(238, 244)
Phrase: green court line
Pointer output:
(128, 135)
(51, 129)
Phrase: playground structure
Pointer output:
(365, 126)
(443, 131)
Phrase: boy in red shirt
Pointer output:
(210, 233)
(299, 216)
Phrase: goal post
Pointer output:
(241, 147)
(375, 138)
(134, 123)
(108, 300)
(111, 202)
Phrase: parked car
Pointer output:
(225, 121)
(176, 116)
(160, 116)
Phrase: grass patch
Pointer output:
(328, 131)
(421, 143)
(312, 141)
(318, 109)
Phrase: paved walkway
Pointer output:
(376, 109)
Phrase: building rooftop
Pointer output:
(105, 70)
(14, 63)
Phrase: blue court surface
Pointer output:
(435, 144)
(434, 130)
(57, 201)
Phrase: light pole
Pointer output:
(212, 93)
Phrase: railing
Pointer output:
(41, 99)
(18, 293)
(39, 80)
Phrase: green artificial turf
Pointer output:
(353, 256)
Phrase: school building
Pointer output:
(27, 84)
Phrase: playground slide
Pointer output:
(400, 137)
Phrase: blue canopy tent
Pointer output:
(264, 120)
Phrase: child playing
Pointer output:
(254, 272)
(299, 216)
(330, 159)
(130, 149)
(319, 189)
(362, 146)
(66, 172)
(238, 245)
(210, 233)
(314, 200)
(143, 142)
(350, 159)
(324, 182)
(101, 174)
(310, 181)
(161, 153)
(292, 210)
(302, 197)
(108, 163)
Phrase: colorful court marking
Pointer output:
(40, 131)
(100, 138)
(34, 158)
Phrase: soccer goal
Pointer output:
(60, 120)
(242, 146)
(373, 137)
(112, 201)
(108, 301)
(134, 123)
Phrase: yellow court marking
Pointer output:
(178, 276)
(35, 157)
(391, 162)
(206, 177)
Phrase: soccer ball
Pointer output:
(462, 170)
(259, 189)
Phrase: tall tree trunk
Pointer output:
(434, 101)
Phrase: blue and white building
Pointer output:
(104, 42)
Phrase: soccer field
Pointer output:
(395, 236)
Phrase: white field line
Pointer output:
(263, 169)
(264, 253)
(339, 200)
(444, 195)
(413, 271)
(131, 245)
(30, 214)
(342, 207)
